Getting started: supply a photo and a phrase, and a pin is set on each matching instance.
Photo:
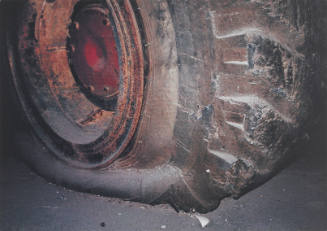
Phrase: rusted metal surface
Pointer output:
(67, 89)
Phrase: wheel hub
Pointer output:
(94, 52)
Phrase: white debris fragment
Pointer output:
(203, 220)
(163, 227)
(208, 171)
(229, 158)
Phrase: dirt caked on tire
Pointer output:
(163, 101)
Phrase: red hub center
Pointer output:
(94, 52)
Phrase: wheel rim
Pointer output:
(83, 93)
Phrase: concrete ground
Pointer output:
(295, 199)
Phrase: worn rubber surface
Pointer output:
(228, 94)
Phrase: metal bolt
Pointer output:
(90, 88)
(76, 25)
(106, 89)
(72, 48)
(106, 22)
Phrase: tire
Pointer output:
(212, 96)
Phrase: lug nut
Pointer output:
(90, 88)
(106, 22)
(106, 89)
(72, 48)
(76, 25)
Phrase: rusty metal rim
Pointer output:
(124, 122)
